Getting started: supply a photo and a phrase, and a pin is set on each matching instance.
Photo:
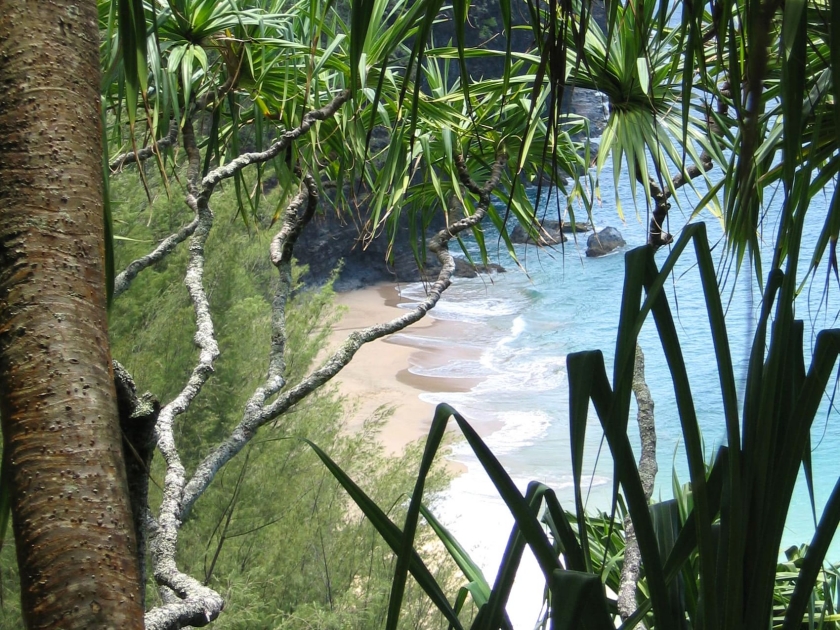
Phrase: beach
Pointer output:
(496, 348)
(451, 357)
(381, 372)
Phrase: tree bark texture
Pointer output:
(648, 468)
(70, 510)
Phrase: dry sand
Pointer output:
(380, 373)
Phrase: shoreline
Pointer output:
(381, 372)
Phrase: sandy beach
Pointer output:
(380, 373)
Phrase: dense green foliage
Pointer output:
(253, 68)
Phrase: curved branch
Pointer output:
(123, 280)
(280, 252)
(146, 152)
(163, 542)
(196, 605)
(187, 601)
(657, 236)
(258, 412)
(309, 119)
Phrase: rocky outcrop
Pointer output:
(330, 238)
(590, 104)
(604, 242)
(550, 233)
(578, 227)
(463, 269)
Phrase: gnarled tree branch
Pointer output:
(187, 601)
(205, 188)
(164, 536)
(259, 411)
(657, 236)
(297, 216)
(310, 118)
(123, 280)
(195, 604)
(145, 153)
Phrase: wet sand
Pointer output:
(380, 373)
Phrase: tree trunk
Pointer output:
(631, 570)
(70, 510)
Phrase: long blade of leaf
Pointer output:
(391, 534)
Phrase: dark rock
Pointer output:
(604, 242)
(464, 269)
(579, 226)
(590, 104)
(550, 233)
(332, 237)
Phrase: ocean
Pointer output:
(515, 331)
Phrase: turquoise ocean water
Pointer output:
(516, 330)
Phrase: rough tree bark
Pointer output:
(70, 509)
(138, 416)
(647, 473)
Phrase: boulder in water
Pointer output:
(579, 226)
(604, 242)
(550, 233)
(464, 269)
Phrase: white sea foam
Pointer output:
(519, 373)
(451, 369)
(474, 311)
(478, 518)
(470, 302)
(519, 429)
(476, 515)
(481, 522)
(516, 329)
